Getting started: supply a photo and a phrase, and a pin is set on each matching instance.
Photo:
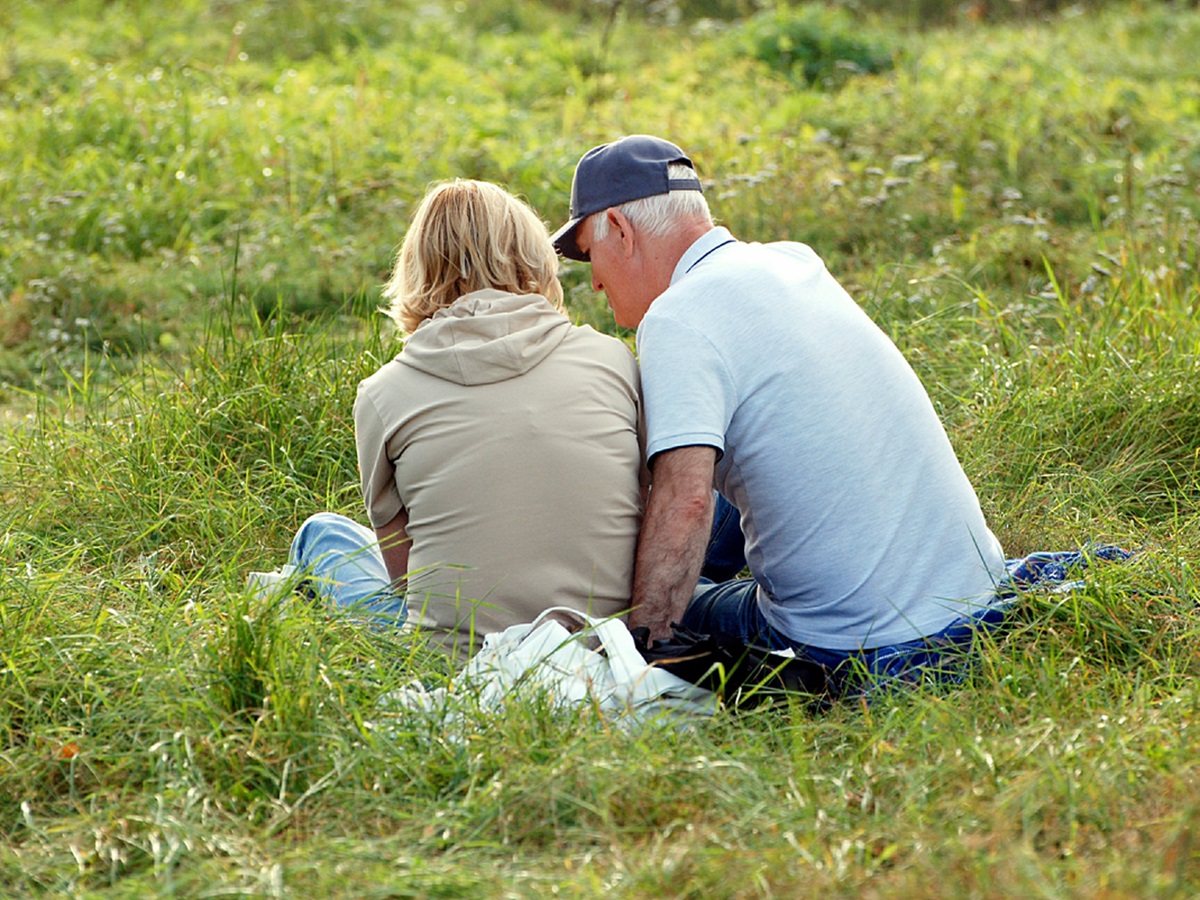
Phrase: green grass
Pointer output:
(191, 244)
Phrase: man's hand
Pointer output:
(675, 533)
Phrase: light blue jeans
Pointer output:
(341, 564)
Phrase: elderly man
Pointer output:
(869, 553)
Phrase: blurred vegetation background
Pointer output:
(150, 159)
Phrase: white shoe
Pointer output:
(268, 584)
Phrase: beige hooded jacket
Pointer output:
(511, 437)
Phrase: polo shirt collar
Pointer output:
(704, 245)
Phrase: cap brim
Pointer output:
(564, 241)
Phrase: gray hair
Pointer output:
(658, 214)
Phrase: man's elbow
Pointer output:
(695, 508)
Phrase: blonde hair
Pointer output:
(466, 236)
(659, 213)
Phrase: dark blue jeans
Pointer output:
(730, 607)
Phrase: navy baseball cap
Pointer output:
(611, 174)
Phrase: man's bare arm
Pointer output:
(674, 537)
(394, 544)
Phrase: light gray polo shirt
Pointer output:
(862, 528)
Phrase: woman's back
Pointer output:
(510, 437)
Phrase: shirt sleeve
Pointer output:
(687, 388)
(378, 474)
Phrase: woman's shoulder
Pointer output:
(388, 381)
(589, 336)
(589, 343)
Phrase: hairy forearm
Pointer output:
(668, 566)
(674, 536)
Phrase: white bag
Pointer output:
(544, 656)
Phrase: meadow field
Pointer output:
(198, 204)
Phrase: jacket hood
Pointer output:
(485, 336)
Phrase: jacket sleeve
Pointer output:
(377, 473)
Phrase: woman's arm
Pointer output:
(394, 543)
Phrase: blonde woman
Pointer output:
(499, 450)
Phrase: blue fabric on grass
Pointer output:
(1054, 570)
